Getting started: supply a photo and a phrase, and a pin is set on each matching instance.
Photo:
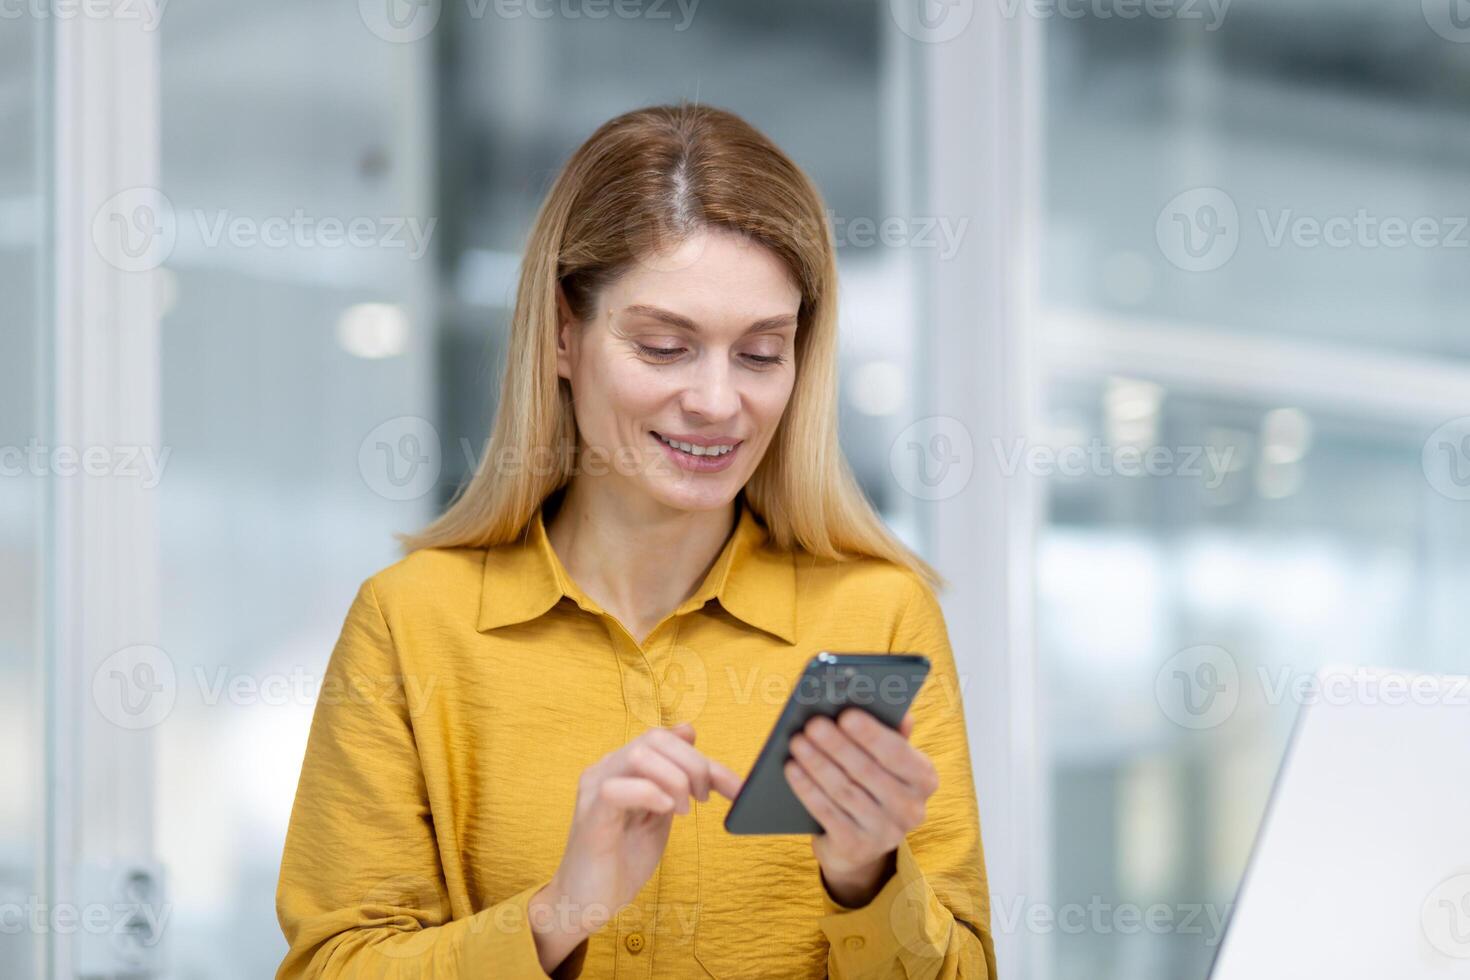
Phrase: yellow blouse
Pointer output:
(471, 687)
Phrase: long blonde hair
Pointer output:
(643, 181)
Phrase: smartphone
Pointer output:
(882, 684)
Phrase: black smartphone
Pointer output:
(882, 684)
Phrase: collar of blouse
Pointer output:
(752, 581)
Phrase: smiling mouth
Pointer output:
(698, 452)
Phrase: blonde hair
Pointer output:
(643, 181)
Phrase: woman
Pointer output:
(503, 777)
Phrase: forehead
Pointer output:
(713, 276)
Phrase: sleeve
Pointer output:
(931, 919)
(361, 891)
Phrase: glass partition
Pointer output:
(1285, 185)
(25, 461)
(297, 336)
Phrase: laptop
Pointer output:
(1361, 868)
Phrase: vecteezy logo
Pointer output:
(1199, 230)
(1198, 687)
(676, 682)
(1445, 917)
(934, 458)
(919, 933)
(1446, 459)
(1450, 19)
(391, 895)
(401, 459)
(135, 230)
(681, 689)
(400, 21)
(135, 687)
(932, 21)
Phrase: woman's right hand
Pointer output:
(626, 802)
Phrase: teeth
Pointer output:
(694, 450)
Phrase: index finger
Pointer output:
(704, 773)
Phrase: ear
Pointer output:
(565, 324)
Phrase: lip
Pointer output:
(700, 440)
(698, 464)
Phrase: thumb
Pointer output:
(685, 731)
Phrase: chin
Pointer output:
(696, 493)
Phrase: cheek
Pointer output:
(609, 383)
(633, 390)
(768, 401)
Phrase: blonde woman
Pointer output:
(532, 725)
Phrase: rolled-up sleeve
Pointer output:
(362, 892)
(931, 919)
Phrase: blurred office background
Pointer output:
(22, 498)
(1306, 516)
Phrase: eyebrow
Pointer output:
(684, 323)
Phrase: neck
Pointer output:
(637, 559)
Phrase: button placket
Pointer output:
(640, 701)
(636, 927)
(668, 675)
(668, 907)
(640, 691)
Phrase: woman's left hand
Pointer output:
(867, 787)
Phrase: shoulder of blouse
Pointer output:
(876, 582)
(426, 575)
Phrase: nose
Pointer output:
(712, 395)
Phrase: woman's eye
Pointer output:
(659, 353)
(669, 353)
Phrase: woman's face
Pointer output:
(694, 345)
